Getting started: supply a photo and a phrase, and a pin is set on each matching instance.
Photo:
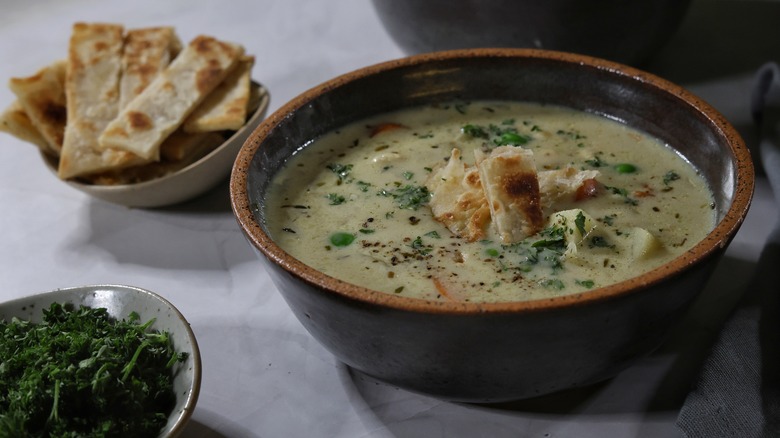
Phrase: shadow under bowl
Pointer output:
(488, 352)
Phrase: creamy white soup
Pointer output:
(487, 201)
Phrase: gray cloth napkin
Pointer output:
(738, 391)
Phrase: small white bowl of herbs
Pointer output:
(104, 360)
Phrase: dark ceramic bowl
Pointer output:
(624, 31)
(499, 351)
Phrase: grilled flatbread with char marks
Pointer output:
(14, 120)
(147, 52)
(226, 107)
(519, 195)
(163, 106)
(42, 97)
(92, 96)
(509, 180)
(458, 201)
(195, 145)
(561, 185)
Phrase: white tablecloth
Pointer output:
(264, 376)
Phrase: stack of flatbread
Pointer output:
(126, 106)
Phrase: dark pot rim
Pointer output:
(712, 245)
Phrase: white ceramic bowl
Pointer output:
(120, 301)
(184, 184)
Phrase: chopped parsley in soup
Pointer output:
(487, 201)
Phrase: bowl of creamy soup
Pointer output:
(492, 224)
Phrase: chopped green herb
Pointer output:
(579, 222)
(599, 242)
(572, 134)
(409, 197)
(408, 175)
(553, 237)
(341, 170)
(432, 234)
(499, 135)
(367, 231)
(81, 372)
(527, 254)
(596, 162)
(552, 283)
(363, 186)
(474, 131)
(511, 139)
(336, 199)
(585, 283)
(670, 176)
(492, 252)
(617, 190)
(623, 193)
(420, 247)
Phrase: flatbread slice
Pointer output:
(458, 200)
(226, 107)
(147, 52)
(92, 93)
(562, 185)
(163, 106)
(197, 145)
(509, 180)
(42, 96)
(15, 121)
(181, 146)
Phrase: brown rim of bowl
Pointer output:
(717, 239)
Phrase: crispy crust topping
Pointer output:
(503, 188)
